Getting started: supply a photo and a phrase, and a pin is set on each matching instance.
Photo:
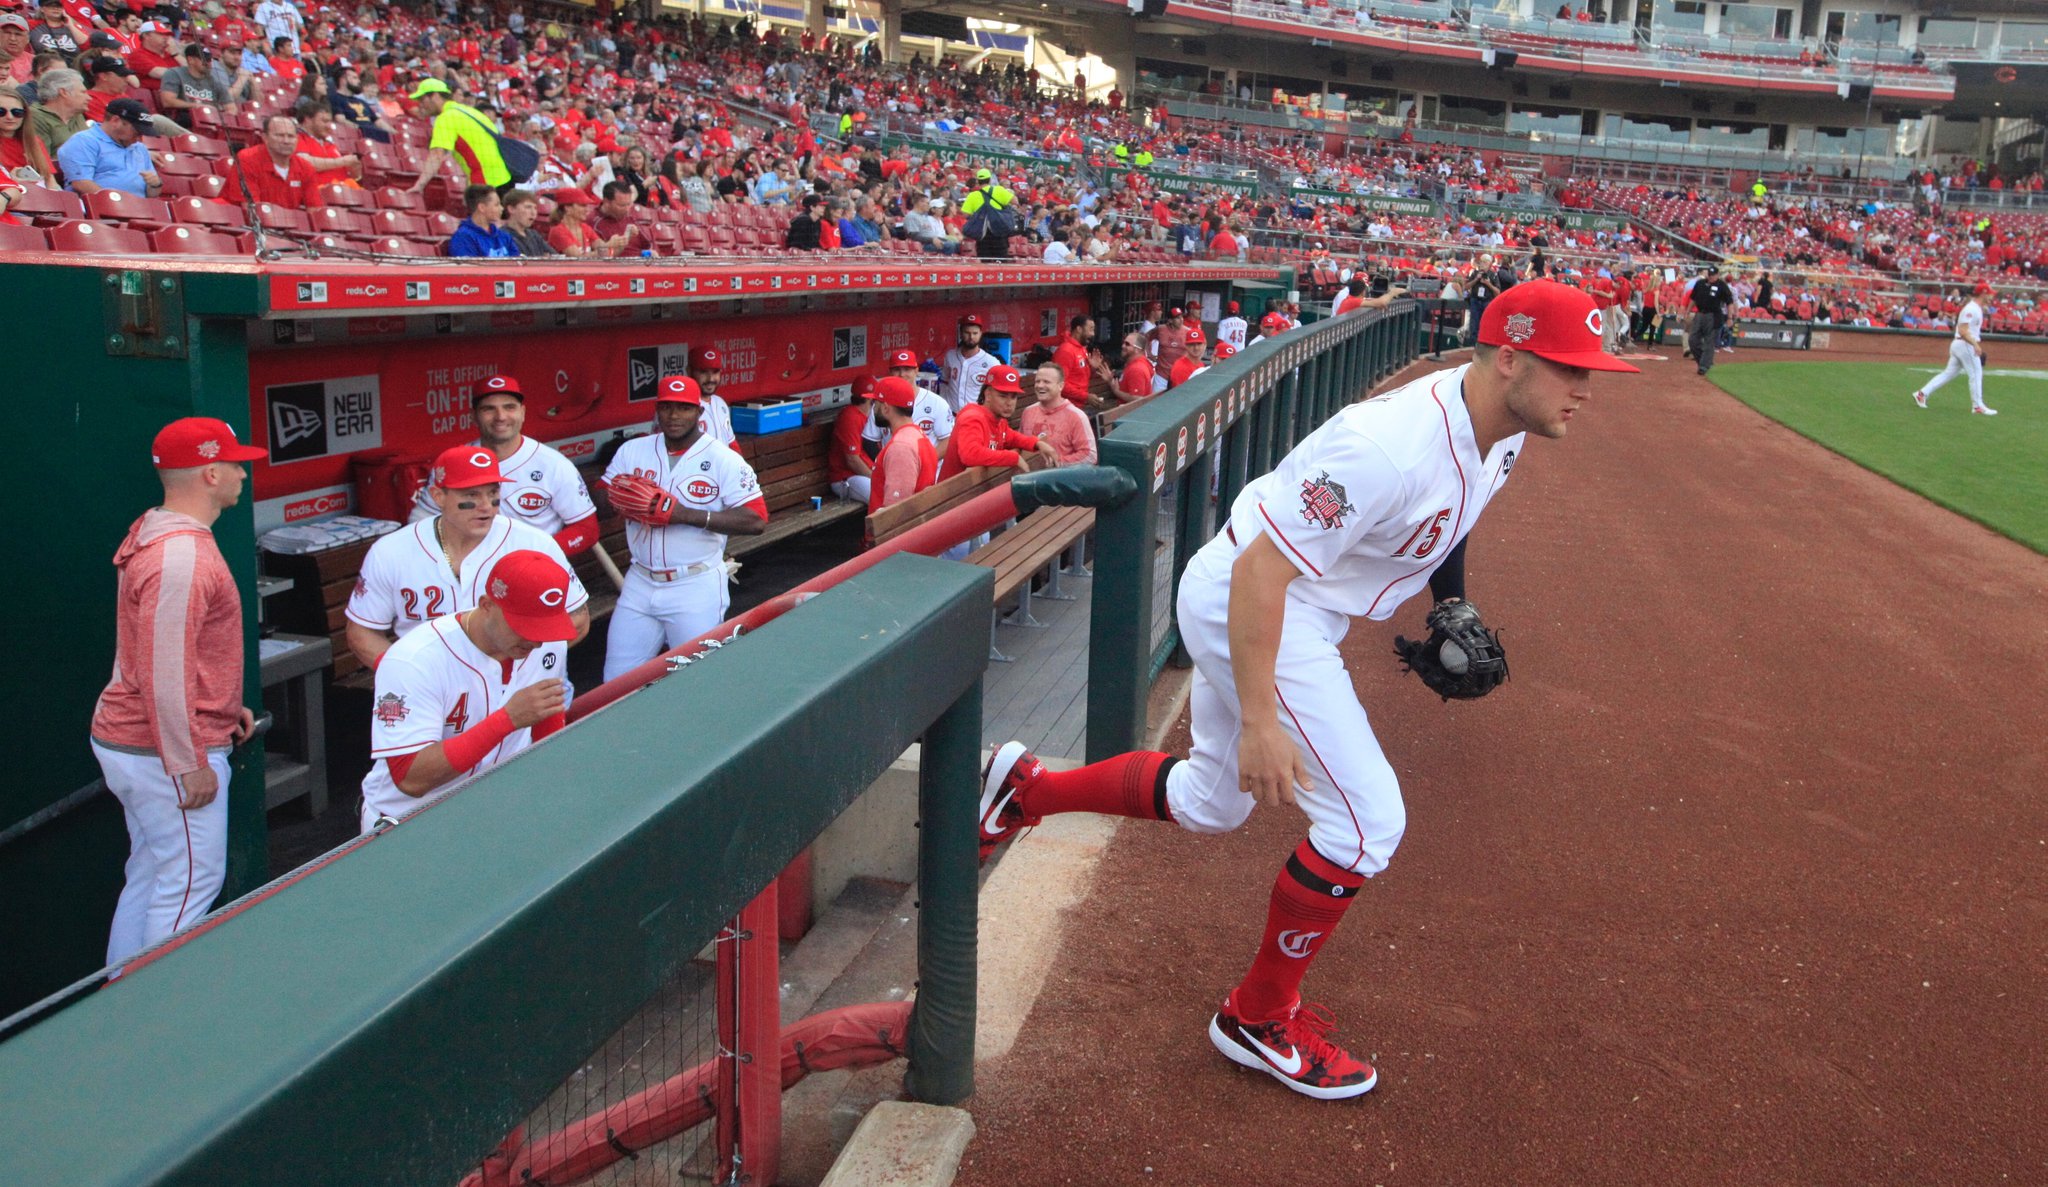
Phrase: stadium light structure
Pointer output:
(1870, 89)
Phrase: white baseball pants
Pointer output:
(1355, 813)
(1961, 357)
(177, 859)
(654, 616)
(853, 486)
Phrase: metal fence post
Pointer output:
(941, 1040)
(1120, 613)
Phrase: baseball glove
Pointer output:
(1461, 658)
(640, 500)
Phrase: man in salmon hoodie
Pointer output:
(166, 721)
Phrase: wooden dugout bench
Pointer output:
(1050, 539)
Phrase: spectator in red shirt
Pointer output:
(273, 171)
(613, 220)
(153, 57)
(572, 234)
(330, 165)
(982, 435)
(1137, 381)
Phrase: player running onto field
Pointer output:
(1362, 514)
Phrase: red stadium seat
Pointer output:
(185, 241)
(393, 197)
(209, 187)
(335, 220)
(174, 164)
(14, 238)
(48, 207)
(199, 146)
(204, 213)
(347, 196)
(279, 218)
(441, 225)
(391, 245)
(397, 222)
(697, 239)
(116, 206)
(98, 239)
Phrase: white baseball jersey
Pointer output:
(708, 476)
(1970, 321)
(406, 582)
(960, 377)
(1232, 329)
(930, 413)
(717, 419)
(432, 685)
(1368, 505)
(542, 490)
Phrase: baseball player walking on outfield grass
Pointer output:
(1965, 354)
(1361, 515)
(167, 719)
(542, 488)
(682, 493)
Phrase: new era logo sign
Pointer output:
(643, 371)
(312, 292)
(291, 424)
(575, 288)
(636, 285)
(419, 290)
(505, 290)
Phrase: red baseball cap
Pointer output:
(1224, 350)
(1230, 306)
(533, 593)
(464, 466)
(902, 358)
(1004, 379)
(706, 359)
(1272, 321)
(1195, 335)
(1983, 289)
(497, 385)
(1176, 311)
(863, 387)
(1551, 321)
(971, 319)
(198, 441)
(574, 197)
(897, 392)
(680, 389)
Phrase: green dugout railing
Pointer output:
(1247, 414)
(389, 1017)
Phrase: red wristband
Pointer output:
(468, 748)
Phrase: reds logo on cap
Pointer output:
(706, 359)
(903, 358)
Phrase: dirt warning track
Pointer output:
(1742, 878)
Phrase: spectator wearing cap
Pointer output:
(54, 34)
(907, 462)
(982, 435)
(930, 413)
(846, 462)
(707, 367)
(1139, 378)
(1169, 340)
(522, 212)
(152, 58)
(109, 155)
(542, 488)
(473, 688)
(571, 234)
(272, 170)
(1071, 353)
(682, 494)
(479, 235)
(17, 60)
(58, 118)
(1191, 361)
(106, 79)
(996, 204)
(1233, 328)
(1056, 420)
(805, 227)
(459, 131)
(416, 574)
(191, 84)
(963, 368)
(165, 722)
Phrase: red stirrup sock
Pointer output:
(1309, 898)
(1131, 784)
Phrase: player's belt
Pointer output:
(667, 575)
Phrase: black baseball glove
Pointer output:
(1461, 658)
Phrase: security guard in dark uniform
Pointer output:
(1711, 300)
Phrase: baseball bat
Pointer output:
(610, 566)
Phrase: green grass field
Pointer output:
(1993, 469)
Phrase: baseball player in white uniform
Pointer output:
(962, 369)
(469, 690)
(1364, 513)
(707, 367)
(542, 488)
(1233, 328)
(1965, 354)
(930, 413)
(436, 566)
(682, 493)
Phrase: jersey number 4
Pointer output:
(1424, 539)
(458, 715)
